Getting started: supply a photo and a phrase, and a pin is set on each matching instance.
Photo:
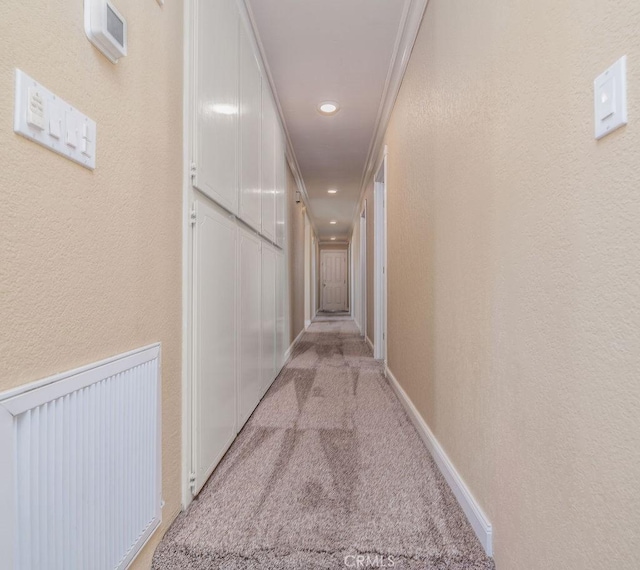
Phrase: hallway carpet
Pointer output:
(329, 467)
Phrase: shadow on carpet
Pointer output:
(329, 472)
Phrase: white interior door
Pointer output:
(214, 359)
(216, 105)
(334, 280)
(250, 325)
(268, 316)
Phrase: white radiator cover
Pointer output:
(80, 466)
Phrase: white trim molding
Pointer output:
(368, 341)
(287, 355)
(307, 324)
(478, 520)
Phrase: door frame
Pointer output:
(380, 260)
(314, 278)
(344, 252)
(363, 269)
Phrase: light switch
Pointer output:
(55, 122)
(85, 147)
(610, 99)
(35, 108)
(72, 130)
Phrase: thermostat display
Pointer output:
(106, 28)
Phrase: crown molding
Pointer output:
(407, 34)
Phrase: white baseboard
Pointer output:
(470, 506)
(306, 324)
(287, 354)
(368, 341)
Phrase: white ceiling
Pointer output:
(329, 50)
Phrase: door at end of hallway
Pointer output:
(334, 280)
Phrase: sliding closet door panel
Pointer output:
(214, 387)
(281, 184)
(250, 209)
(268, 316)
(281, 310)
(268, 165)
(216, 120)
(250, 324)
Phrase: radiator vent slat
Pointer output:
(82, 466)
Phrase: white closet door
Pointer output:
(268, 165)
(268, 316)
(214, 386)
(281, 188)
(282, 332)
(216, 121)
(250, 208)
(250, 325)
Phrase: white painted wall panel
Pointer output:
(216, 88)
(249, 324)
(268, 316)
(250, 207)
(215, 289)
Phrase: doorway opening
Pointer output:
(363, 270)
(380, 260)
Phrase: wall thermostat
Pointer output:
(106, 28)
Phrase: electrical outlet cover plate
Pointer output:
(610, 99)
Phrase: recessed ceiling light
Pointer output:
(333, 239)
(333, 222)
(328, 107)
(332, 191)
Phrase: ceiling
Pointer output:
(330, 50)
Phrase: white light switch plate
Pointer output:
(46, 119)
(610, 98)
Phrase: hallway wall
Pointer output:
(296, 258)
(90, 262)
(514, 264)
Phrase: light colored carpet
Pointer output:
(329, 467)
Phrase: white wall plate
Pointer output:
(610, 99)
(46, 119)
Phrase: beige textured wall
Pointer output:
(90, 262)
(296, 258)
(514, 271)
